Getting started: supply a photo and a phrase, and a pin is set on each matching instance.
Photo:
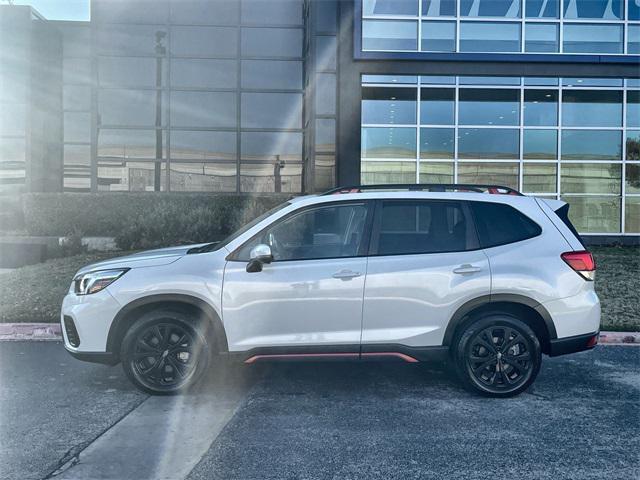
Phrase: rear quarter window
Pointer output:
(500, 224)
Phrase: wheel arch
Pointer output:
(525, 308)
(186, 303)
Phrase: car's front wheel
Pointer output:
(164, 352)
(498, 355)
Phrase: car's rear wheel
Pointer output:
(498, 355)
(164, 352)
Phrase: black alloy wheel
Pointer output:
(498, 356)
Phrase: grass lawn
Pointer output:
(34, 293)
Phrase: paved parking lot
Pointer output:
(304, 421)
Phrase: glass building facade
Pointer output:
(298, 96)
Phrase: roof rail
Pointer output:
(429, 187)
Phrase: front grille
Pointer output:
(72, 333)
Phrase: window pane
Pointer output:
(127, 39)
(76, 97)
(436, 172)
(203, 145)
(632, 215)
(540, 144)
(127, 107)
(272, 42)
(489, 107)
(77, 155)
(488, 143)
(324, 232)
(373, 173)
(594, 214)
(591, 82)
(325, 135)
(204, 41)
(499, 224)
(633, 108)
(271, 110)
(540, 81)
(490, 8)
(326, 53)
(270, 147)
(505, 174)
(76, 70)
(437, 106)
(77, 127)
(389, 143)
(140, 11)
(539, 177)
(542, 8)
(129, 72)
(389, 105)
(389, 35)
(272, 12)
(438, 8)
(129, 176)
(485, 80)
(204, 11)
(127, 144)
(489, 37)
(203, 109)
(540, 107)
(203, 177)
(591, 145)
(590, 178)
(633, 10)
(438, 37)
(390, 7)
(203, 73)
(591, 108)
(436, 142)
(325, 94)
(633, 144)
(542, 37)
(587, 38)
(402, 79)
(279, 177)
(437, 80)
(326, 15)
(274, 74)
(633, 39)
(597, 9)
(422, 227)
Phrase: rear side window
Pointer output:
(499, 224)
(413, 227)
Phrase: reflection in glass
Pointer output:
(265, 74)
(381, 105)
(325, 93)
(390, 7)
(203, 109)
(438, 8)
(203, 73)
(260, 177)
(540, 144)
(633, 10)
(271, 110)
(200, 12)
(596, 9)
(440, 172)
(325, 135)
(127, 144)
(594, 214)
(273, 12)
(540, 81)
(505, 174)
(204, 41)
(203, 177)
(539, 177)
(540, 107)
(437, 106)
(76, 97)
(591, 108)
(592, 38)
(77, 127)
(490, 8)
(633, 145)
(438, 37)
(489, 37)
(488, 107)
(115, 39)
(389, 35)
(541, 37)
(542, 8)
(488, 143)
(271, 42)
(388, 142)
(125, 176)
(127, 107)
(591, 82)
(633, 39)
(389, 79)
(632, 178)
(591, 145)
(436, 143)
(77, 155)
(590, 178)
(632, 215)
(271, 147)
(203, 145)
(387, 172)
(633, 108)
(128, 72)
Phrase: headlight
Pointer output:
(93, 282)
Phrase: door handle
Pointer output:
(466, 269)
(346, 274)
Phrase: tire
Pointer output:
(164, 352)
(497, 356)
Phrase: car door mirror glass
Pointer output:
(261, 253)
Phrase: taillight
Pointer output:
(581, 262)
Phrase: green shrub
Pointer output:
(143, 220)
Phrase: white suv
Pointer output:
(378, 272)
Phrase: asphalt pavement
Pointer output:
(581, 420)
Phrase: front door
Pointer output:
(311, 294)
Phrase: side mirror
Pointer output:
(259, 255)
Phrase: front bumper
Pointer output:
(106, 358)
(577, 343)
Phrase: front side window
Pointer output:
(499, 224)
(417, 227)
(332, 231)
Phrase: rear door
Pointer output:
(424, 263)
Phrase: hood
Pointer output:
(148, 258)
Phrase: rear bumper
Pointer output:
(577, 343)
